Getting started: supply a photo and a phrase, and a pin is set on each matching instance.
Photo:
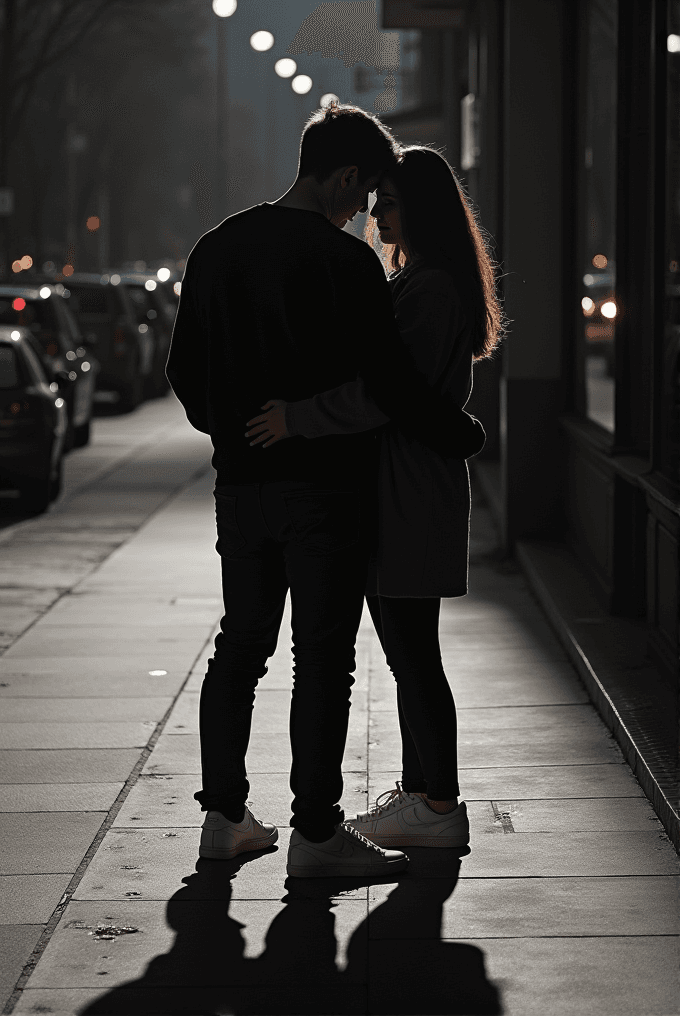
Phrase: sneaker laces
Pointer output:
(387, 800)
(362, 839)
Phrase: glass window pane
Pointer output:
(670, 368)
(598, 300)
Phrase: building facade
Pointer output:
(563, 118)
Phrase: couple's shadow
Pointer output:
(396, 962)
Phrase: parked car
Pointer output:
(43, 309)
(154, 310)
(108, 317)
(33, 421)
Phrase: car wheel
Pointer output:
(131, 394)
(81, 434)
(35, 495)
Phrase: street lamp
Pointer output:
(223, 9)
(262, 41)
(301, 84)
(285, 67)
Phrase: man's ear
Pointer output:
(349, 176)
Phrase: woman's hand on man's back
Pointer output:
(271, 426)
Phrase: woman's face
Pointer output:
(387, 213)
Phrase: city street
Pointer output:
(566, 902)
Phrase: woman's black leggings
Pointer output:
(408, 630)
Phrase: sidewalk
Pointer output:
(566, 903)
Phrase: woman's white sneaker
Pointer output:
(346, 853)
(404, 820)
(222, 839)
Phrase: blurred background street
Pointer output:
(128, 128)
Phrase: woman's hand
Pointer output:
(271, 426)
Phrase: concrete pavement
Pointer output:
(566, 903)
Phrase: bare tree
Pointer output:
(38, 38)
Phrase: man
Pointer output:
(279, 299)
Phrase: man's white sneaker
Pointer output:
(222, 839)
(346, 853)
(404, 820)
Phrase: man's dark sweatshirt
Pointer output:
(279, 303)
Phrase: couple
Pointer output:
(369, 492)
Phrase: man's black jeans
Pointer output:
(312, 540)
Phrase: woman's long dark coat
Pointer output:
(424, 500)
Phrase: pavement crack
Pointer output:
(502, 818)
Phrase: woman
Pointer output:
(448, 314)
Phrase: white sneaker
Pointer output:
(404, 820)
(346, 853)
(222, 839)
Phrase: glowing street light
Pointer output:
(285, 67)
(327, 99)
(261, 41)
(301, 84)
(224, 8)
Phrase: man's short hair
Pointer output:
(342, 135)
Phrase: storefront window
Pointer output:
(598, 270)
(670, 379)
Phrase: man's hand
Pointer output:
(271, 426)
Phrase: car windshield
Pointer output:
(37, 314)
(9, 367)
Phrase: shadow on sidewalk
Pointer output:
(396, 961)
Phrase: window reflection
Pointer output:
(598, 302)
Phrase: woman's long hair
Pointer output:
(440, 227)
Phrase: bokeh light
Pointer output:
(18, 303)
(115, 279)
(673, 43)
(301, 84)
(46, 292)
(599, 261)
(224, 8)
(26, 262)
(16, 266)
(608, 309)
(261, 41)
(150, 285)
(67, 270)
(93, 223)
(163, 274)
(177, 288)
(15, 335)
(285, 67)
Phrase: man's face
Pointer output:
(351, 195)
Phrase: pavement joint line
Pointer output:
(80, 871)
(68, 590)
